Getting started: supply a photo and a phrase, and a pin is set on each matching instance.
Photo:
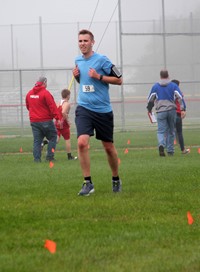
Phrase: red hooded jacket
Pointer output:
(41, 105)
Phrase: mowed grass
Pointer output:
(144, 228)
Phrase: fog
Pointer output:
(28, 11)
(24, 46)
(42, 36)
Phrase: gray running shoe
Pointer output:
(87, 189)
(116, 186)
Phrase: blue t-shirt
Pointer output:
(93, 93)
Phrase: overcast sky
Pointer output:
(51, 11)
(28, 11)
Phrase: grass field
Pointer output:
(143, 228)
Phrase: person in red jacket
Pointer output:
(42, 110)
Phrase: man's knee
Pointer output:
(109, 148)
(82, 142)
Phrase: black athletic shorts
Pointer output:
(89, 121)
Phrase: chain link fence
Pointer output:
(139, 48)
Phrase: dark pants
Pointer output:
(179, 131)
(41, 130)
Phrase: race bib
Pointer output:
(88, 88)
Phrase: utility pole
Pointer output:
(41, 43)
(121, 66)
(164, 34)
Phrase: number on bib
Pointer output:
(88, 88)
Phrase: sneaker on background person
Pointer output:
(45, 142)
(116, 186)
(186, 151)
(161, 151)
(70, 157)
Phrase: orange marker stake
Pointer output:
(175, 141)
(199, 150)
(50, 245)
(20, 150)
(53, 150)
(51, 164)
(190, 218)
(126, 151)
(128, 142)
(119, 161)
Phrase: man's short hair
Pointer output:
(42, 79)
(164, 74)
(65, 93)
(85, 31)
(176, 81)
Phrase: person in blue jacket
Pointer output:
(94, 72)
(163, 96)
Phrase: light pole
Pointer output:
(121, 65)
(41, 43)
(164, 34)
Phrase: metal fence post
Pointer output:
(164, 34)
(41, 43)
(21, 102)
(121, 66)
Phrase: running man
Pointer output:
(94, 73)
